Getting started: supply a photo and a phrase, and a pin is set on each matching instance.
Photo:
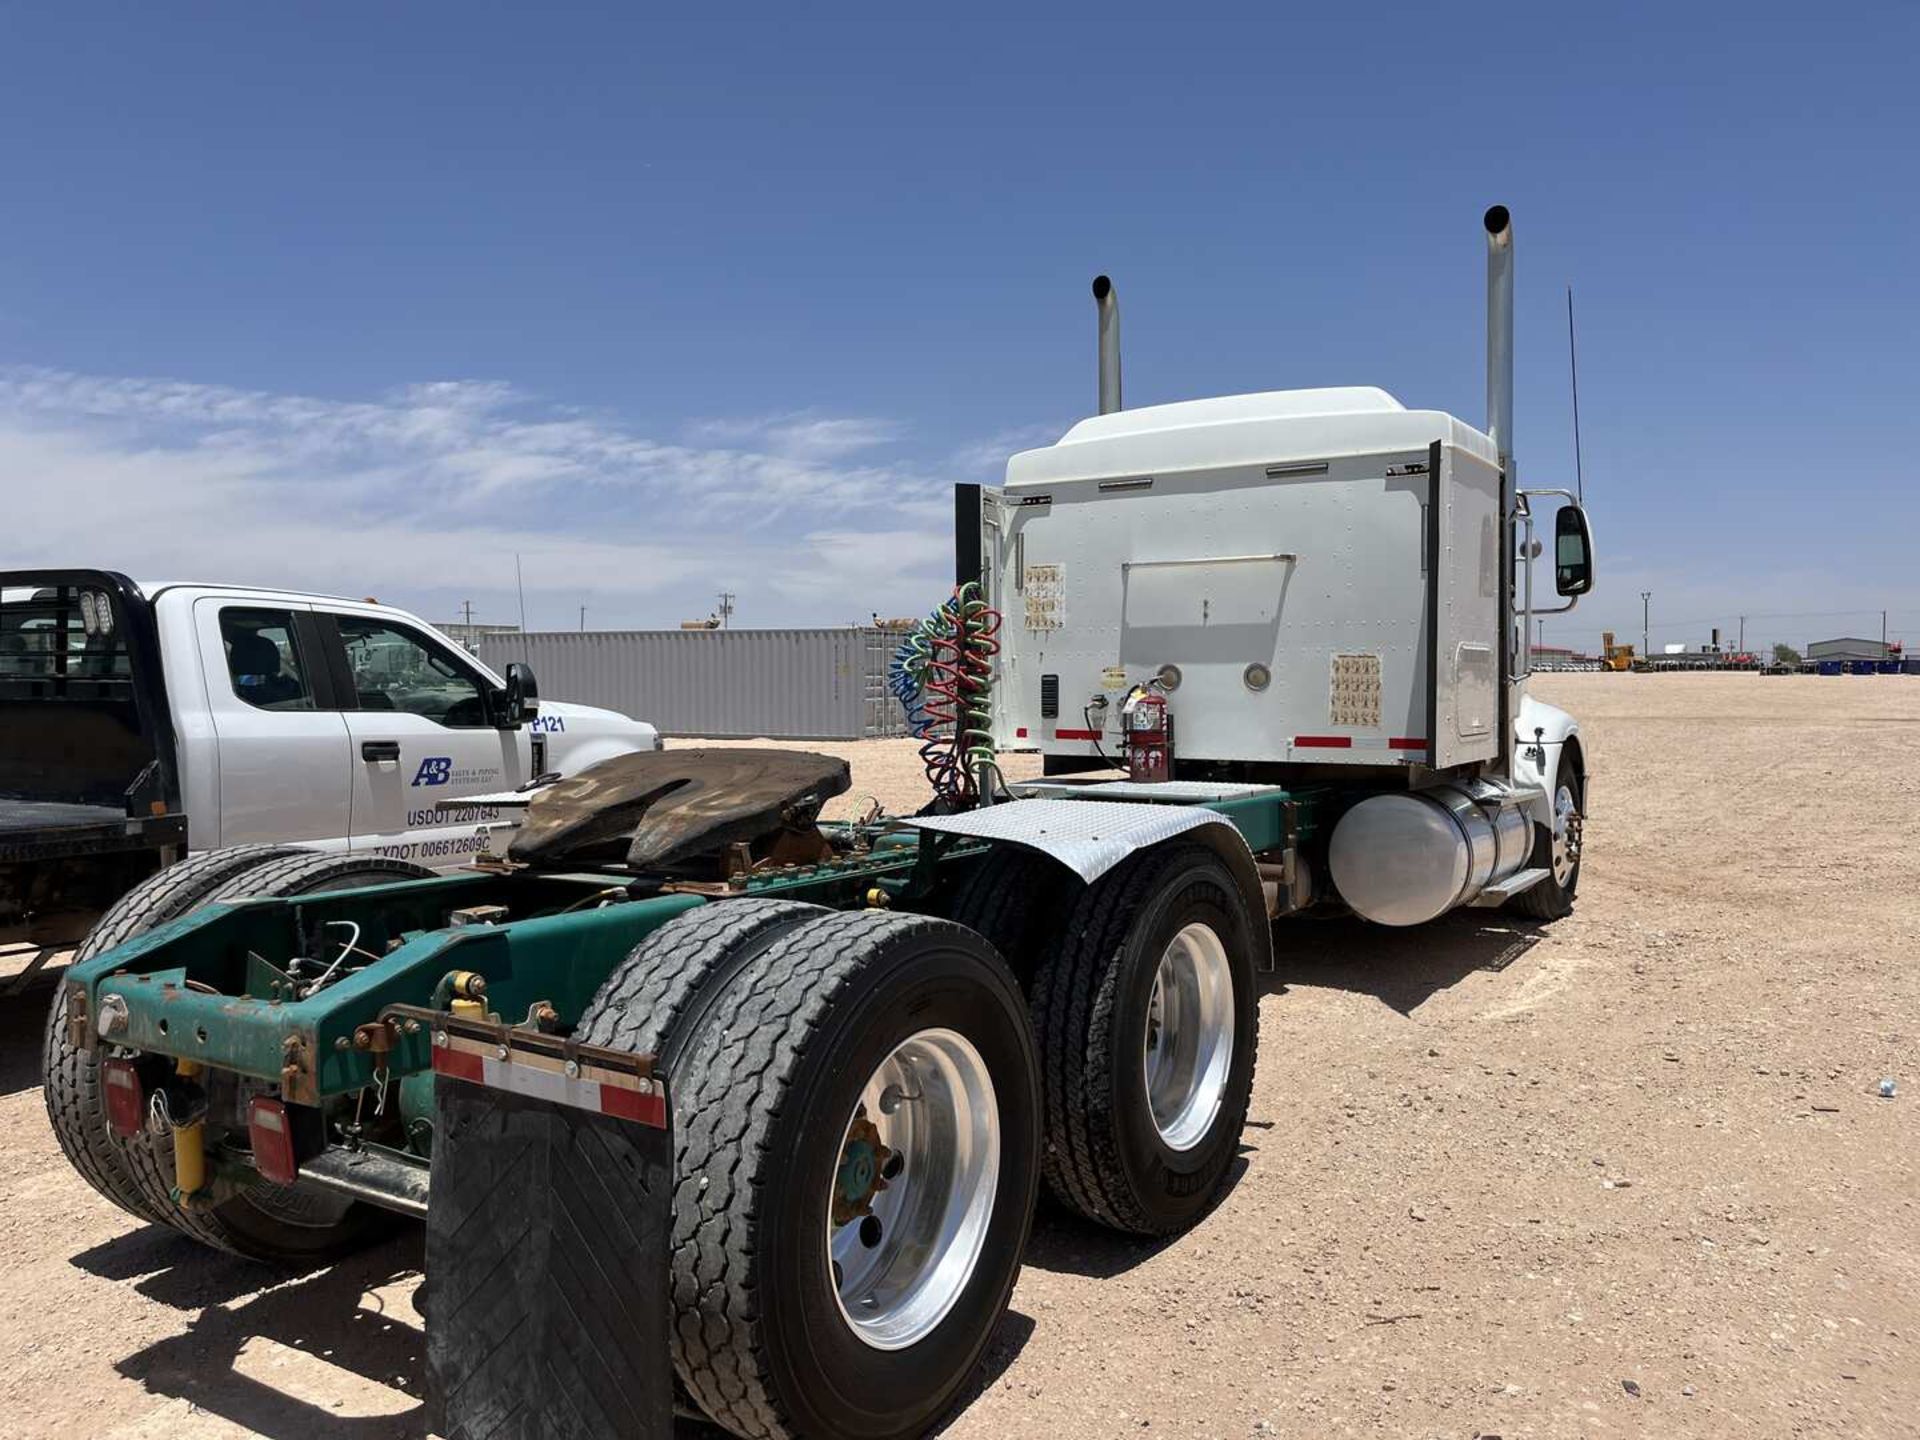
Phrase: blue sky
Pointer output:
(369, 298)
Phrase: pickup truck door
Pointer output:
(281, 747)
(419, 731)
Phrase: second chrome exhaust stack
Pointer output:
(1108, 305)
(1500, 334)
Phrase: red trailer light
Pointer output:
(126, 1097)
(271, 1135)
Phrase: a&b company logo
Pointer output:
(438, 770)
(435, 770)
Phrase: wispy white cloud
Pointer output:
(986, 459)
(427, 493)
(798, 435)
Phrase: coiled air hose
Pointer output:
(942, 675)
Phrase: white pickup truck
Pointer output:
(138, 722)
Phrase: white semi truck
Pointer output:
(706, 1100)
(1320, 589)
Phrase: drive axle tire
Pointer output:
(1019, 901)
(1147, 1023)
(657, 994)
(276, 1224)
(1557, 851)
(857, 1151)
(70, 1076)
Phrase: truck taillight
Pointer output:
(126, 1097)
(271, 1136)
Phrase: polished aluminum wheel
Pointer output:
(1188, 1049)
(914, 1189)
(1566, 835)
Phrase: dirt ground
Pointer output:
(1626, 1174)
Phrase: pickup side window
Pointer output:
(264, 660)
(395, 668)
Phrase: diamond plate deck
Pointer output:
(1178, 792)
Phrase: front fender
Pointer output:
(1543, 736)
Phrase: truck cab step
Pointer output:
(1502, 891)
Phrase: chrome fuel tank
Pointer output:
(1404, 859)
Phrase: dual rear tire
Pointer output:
(1148, 1023)
(855, 1106)
(1146, 1017)
(262, 1222)
(864, 1103)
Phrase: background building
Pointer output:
(1846, 649)
(471, 635)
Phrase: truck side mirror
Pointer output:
(519, 702)
(1572, 552)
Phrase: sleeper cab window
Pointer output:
(264, 659)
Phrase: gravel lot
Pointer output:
(1627, 1174)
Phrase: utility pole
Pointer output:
(1883, 634)
(726, 607)
(1646, 638)
(466, 608)
(583, 618)
(1541, 643)
(1742, 648)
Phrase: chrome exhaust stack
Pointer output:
(1109, 306)
(1500, 335)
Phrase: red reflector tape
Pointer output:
(632, 1105)
(1020, 733)
(1407, 742)
(543, 1077)
(1323, 742)
(1076, 734)
(460, 1064)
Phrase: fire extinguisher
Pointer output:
(1147, 726)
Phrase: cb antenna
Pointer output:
(1573, 367)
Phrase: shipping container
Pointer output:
(720, 684)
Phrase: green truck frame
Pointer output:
(207, 1015)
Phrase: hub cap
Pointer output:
(1188, 1046)
(1566, 835)
(913, 1189)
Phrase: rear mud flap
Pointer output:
(547, 1253)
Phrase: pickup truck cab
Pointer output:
(141, 721)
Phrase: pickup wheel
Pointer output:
(70, 1083)
(856, 1155)
(1148, 1022)
(1557, 851)
(276, 1224)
